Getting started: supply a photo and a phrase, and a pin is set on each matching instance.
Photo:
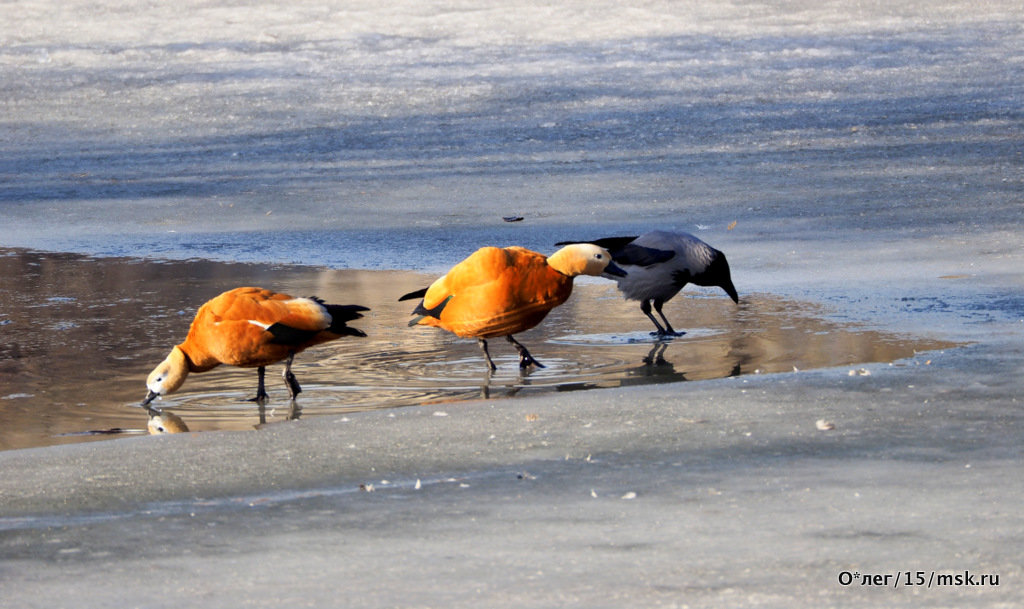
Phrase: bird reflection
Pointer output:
(164, 422)
(294, 412)
(513, 389)
(657, 355)
(655, 368)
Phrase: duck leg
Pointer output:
(289, 379)
(261, 388)
(525, 359)
(487, 354)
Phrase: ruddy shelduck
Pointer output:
(252, 328)
(660, 263)
(503, 291)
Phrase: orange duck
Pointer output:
(252, 328)
(504, 291)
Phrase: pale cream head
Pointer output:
(169, 374)
(581, 259)
(162, 422)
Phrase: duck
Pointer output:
(252, 327)
(501, 291)
(659, 264)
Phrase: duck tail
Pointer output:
(417, 294)
(345, 313)
(420, 311)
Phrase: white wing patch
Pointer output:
(304, 307)
(312, 309)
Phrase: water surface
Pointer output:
(80, 334)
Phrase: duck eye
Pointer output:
(599, 256)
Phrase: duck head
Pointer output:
(584, 259)
(168, 376)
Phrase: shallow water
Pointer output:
(80, 335)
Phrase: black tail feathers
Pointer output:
(417, 294)
(345, 313)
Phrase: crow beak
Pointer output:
(614, 269)
(731, 291)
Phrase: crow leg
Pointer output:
(645, 306)
(668, 327)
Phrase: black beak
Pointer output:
(614, 269)
(731, 291)
(152, 395)
(718, 274)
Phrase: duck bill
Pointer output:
(615, 270)
(152, 395)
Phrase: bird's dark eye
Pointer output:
(600, 257)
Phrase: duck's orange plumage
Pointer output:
(252, 327)
(503, 291)
(496, 292)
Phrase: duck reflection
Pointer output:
(294, 412)
(164, 422)
(511, 389)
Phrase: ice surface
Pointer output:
(869, 153)
(242, 116)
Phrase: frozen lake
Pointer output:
(860, 164)
(208, 130)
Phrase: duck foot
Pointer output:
(261, 389)
(294, 388)
(525, 359)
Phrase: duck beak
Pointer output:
(614, 269)
(152, 395)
